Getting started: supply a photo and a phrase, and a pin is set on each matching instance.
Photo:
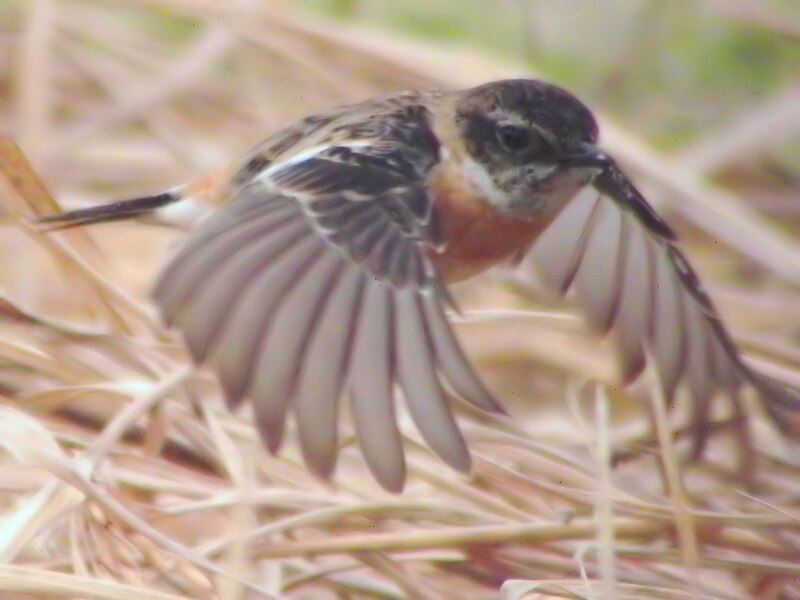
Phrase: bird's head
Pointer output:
(529, 144)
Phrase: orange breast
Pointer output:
(478, 237)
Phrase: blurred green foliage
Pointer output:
(669, 68)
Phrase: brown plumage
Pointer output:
(479, 237)
(324, 272)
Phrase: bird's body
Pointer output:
(325, 270)
(479, 236)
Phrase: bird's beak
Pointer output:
(612, 181)
(585, 155)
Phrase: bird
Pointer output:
(325, 271)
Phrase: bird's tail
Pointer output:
(180, 206)
(115, 211)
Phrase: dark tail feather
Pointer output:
(116, 211)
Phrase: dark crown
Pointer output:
(544, 104)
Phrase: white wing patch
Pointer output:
(306, 154)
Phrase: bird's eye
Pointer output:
(513, 138)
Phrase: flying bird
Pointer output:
(325, 272)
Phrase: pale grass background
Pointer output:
(123, 475)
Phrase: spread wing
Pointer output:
(631, 279)
(313, 282)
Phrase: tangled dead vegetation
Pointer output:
(124, 476)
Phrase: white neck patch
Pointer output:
(479, 177)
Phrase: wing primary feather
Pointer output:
(657, 300)
(772, 394)
(452, 361)
(280, 352)
(559, 250)
(716, 369)
(420, 385)
(343, 230)
(188, 274)
(728, 370)
(622, 260)
(700, 377)
(415, 271)
(370, 383)
(691, 283)
(324, 365)
(251, 201)
(377, 259)
(669, 343)
(690, 280)
(598, 278)
(235, 352)
(203, 315)
(364, 242)
(613, 182)
(342, 212)
(634, 317)
(227, 223)
(398, 262)
(777, 399)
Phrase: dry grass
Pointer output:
(121, 474)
